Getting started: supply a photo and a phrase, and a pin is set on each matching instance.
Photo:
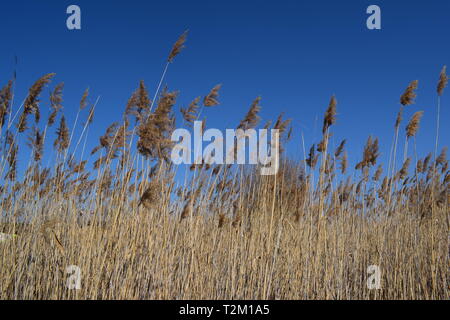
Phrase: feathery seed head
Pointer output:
(443, 80)
(211, 99)
(413, 125)
(177, 47)
(409, 95)
(330, 115)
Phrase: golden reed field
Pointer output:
(131, 229)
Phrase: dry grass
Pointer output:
(136, 232)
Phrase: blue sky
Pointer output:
(294, 54)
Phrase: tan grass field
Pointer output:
(135, 232)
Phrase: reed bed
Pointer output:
(120, 214)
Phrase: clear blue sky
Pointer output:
(294, 54)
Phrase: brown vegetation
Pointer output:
(135, 232)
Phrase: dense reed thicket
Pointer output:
(121, 215)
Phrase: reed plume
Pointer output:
(177, 47)
(330, 115)
(251, 118)
(154, 133)
(402, 174)
(55, 103)
(413, 125)
(150, 196)
(443, 80)
(407, 98)
(399, 118)
(426, 161)
(312, 159)
(191, 113)
(211, 98)
(370, 154)
(36, 142)
(340, 148)
(441, 159)
(107, 139)
(5, 102)
(419, 166)
(378, 173)
(62, 136)
(31, 104)
(83, 101)
(281, 124)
